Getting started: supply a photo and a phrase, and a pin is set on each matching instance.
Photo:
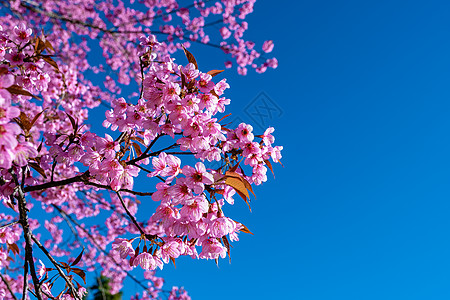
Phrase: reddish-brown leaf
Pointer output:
(215, 72)
(49, 46)
(77, 260)
(173, 261)
(11, 206)
(14, 248)
(72, 121)
(270, 166)
(213, 92)
(137, 149)
(66, 266)
(227, 245)
(36, 117)
(18, 90)
(245, 229)
(247, 184)
(80, 273)
(38, 169)
(25, 121)
(190, 57)
(183, 80)
(138, 139)
(237, 184)
(50, 61)
(39, 46)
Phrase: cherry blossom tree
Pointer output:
(59, 178)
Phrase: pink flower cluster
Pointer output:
(49, 153)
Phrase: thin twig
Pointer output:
(107, 187)
(25, 279)
(95, 243)
(8, 287)
(29, 259)
(55, 263)
(9, 224)
(47, 185)
(133, 219)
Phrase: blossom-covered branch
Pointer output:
(50, 156)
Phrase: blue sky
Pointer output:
(360, 209)
(361, 105)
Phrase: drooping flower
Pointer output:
(123, 246)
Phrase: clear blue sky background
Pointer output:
(361, 208)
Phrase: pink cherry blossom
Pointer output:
(123, 247)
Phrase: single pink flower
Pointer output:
(123, 246)
(268, 46)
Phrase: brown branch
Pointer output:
(55, 263)
(146, 155)
(33, 6)
(107, 187)
(8, 287)
(9, 224)
(25, 279)
(94, 242)
(29, 260)
(47, 185)
(133, 219)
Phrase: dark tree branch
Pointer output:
(60, 271)
(44, 186)
(100, 248)
(29, 260)
(133, 219)
(9, 224)
(25, 279)
(107, 187)
(146, 155)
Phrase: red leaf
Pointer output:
(49, 46)
(77, 260)
(245, 229)
(36, 117)
(14, 248)
(183, 80)
(38, 169)
(224, 117)
(227, 245)
(80, 273)
(50, 61)
(39, 46)
(24, 122)
(237, 184)
(72, 121)
(247, 184)
(215, 72)
(190, 57)
(137, 149)
(18, 90)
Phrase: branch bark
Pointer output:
(60, 271)
(29, 260)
